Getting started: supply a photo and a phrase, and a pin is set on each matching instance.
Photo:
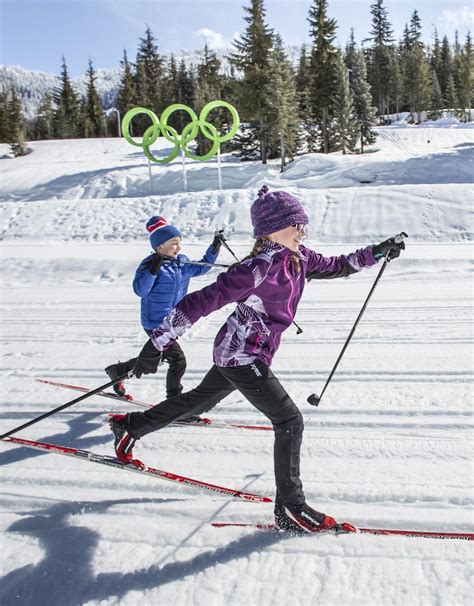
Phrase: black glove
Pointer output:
(155, 264)
(391, 248)
(148, 360)
(217, 242)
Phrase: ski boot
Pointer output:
(124, 441)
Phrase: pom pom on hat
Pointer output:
(275, 210)
(160, 231)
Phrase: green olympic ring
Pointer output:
(160, 127)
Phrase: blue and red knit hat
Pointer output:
(160, 231)
(275, 210)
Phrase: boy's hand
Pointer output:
(217, 242)
(155, 264)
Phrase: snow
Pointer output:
(389, 446)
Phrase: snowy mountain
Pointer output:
(32, 85)
(389, 446)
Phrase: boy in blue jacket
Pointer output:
(161, 286)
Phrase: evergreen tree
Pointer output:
(381, 57)
(435, 56)
(445, 75)
(186, 85)
(208, 88)
(396, 78)
(149, 74)
(466, 78)
(323, 63)
(450, 96)
(93, 124)
(170, 82)
(308, 134)
(4, 122)
(41, 127)
(436, 105)
(252, 58)
(282, 119)
(416, 69)
(363, 111)
(126, 96)
(66, 120)
(17, 134)
(344, 128)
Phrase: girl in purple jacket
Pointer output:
(267, 287)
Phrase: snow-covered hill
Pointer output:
(390, 445)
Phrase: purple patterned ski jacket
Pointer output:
(267, 289)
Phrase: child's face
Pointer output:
(290, 236)
(170, 248)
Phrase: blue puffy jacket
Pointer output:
(161, 292)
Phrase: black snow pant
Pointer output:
(262, 389)
(176, 359)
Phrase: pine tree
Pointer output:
(126, 96)
(17, 135)
(252, 58)
(344, 128)
(282, 117)
(436, 104)
(208, 88)
(309, 139)
(324, 56)
(41, 127)
(5, 129)
(450, 96)
(93, 113)
(363, 111)
(466, 78)
(445, 75)
(66, 121)
(380, 57)
(149, 73)
(435, 57)
(416, 69)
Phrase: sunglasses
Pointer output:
(302, 228)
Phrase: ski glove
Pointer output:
(155, 264)
(391, 248)
(217, 242)
(148, 360)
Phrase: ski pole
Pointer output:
(224, 242)
(63, 406)
(313, 399)
(178, 261)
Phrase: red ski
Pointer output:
(114, 396)
(465, 536)
(87, 455)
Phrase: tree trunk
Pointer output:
(282, 147)
(325, 131)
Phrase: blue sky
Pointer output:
(36, 33)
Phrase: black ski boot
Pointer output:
(118, 370)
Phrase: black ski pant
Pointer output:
(262, 389)
(176, 359)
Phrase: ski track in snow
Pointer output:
(389, 446)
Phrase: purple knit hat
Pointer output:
(275, 210)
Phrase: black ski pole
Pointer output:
(313, 399)
(178, 261)
(224, 242)
(63, 406)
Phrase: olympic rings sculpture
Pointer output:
(160, 126)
